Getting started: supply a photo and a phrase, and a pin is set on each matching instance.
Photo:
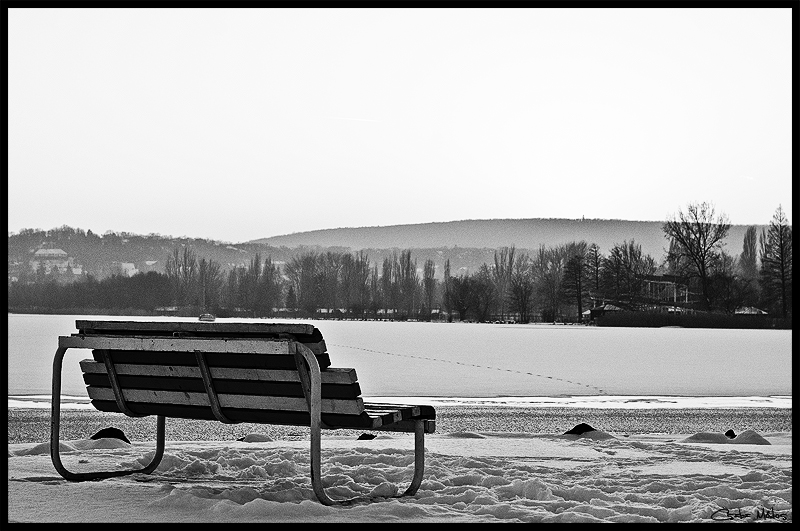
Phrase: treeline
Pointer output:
(141, 293)
(553, 283)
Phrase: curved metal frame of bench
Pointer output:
(311, 381)
(55, 424)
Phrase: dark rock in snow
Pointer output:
(110, 433)
(366, 437)
(254, 437)
(579, 429)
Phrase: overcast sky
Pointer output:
(241, 124)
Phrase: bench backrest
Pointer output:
(252, 367)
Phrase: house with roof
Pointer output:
(55, 261)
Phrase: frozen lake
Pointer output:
(485, 360)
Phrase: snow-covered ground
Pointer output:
(469, 477)
(482, 472)
(484, 360)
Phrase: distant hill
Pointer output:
(497, 233)
(466, 244)
(102, 255)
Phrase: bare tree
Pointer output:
(624, 272)
(209, 278)
(409, 283)
(181, 269)
(429, 285)
(699, 237)
(390, 284)
(501, 275)
(269, 288)
(460, 295)
(521, 287)
(347, 283)
(548, 272)
(375, 295)
(575, 274)
(188, 274)
(355, 282)
(726, 285)
(231, 292)
(483, 293)
(329, 269)
(303, 275)
(594, 264)
(447, 289)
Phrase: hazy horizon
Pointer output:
(196, 236)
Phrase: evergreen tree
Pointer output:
(776, 263)
(748, 267)
(575, 275)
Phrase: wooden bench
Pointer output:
(230, 372)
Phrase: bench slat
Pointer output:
(287, 418)
(386, 416)
(266, 329)
(257, 416)
(333, 406)
(213, 359)
(333, 375)
(408, 425)
(308, 335)
(408, 412)
(236, 387)
(177, 344)
(419, 410)
(169, 344)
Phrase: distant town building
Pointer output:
(50, 258)
(666, 288)
(55, 261)
(126, 268)
(148, 266)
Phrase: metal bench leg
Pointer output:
(55, 440)
(419, 458)
(315, 410)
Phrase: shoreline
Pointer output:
(632, 319)
(32, 425)
(42, 399)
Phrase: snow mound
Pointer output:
(465, 435)
(44, 449)
(105, 443)
(746, 437)
(595, 435)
